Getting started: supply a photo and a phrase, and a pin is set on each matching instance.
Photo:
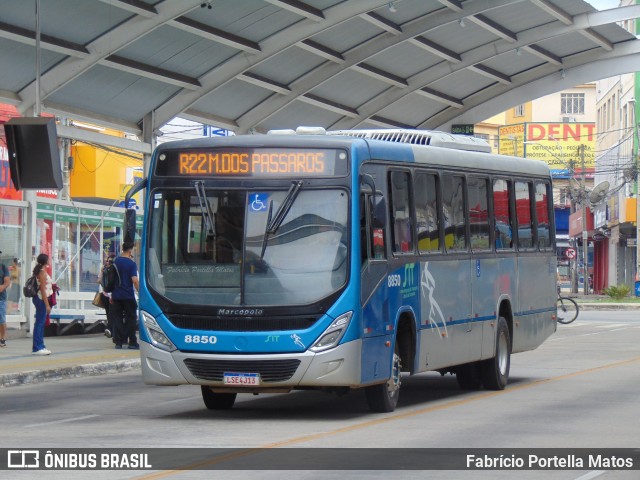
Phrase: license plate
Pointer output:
(241, 379)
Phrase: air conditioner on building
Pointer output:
(568, 119)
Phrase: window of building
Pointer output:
(518, 111)
(572, 103)
(613, 103)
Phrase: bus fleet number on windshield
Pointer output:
(200, 339)
(394, 280)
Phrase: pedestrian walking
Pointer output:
(5, 283)
(106, 298)
(41, 302)
(124, 308)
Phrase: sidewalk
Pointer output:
(72, 356)
(593, 302)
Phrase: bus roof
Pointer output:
(444, 149)
(466, 160)
(420, 137)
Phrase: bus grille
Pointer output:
(241, 324)
(269, 370)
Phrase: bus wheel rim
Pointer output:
(393, 385)
(503, 354)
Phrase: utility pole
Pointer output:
(638, 219)
(585, 233)
(574, 261)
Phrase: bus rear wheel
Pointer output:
(217, 401)
(383, 397)
(494, 372)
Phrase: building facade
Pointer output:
(559, 129)
(617, 154)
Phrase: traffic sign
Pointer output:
(570, 253)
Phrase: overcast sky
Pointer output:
(604, 4)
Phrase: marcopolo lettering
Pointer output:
(240, 312)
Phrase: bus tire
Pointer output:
(494, 372)
(468, 376)
(217, 401)
(383, 397)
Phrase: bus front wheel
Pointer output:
(383, 397)
(217, 401)
(495, 371)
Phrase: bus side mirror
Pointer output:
(129, 227)
(367, 184)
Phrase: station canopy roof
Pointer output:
(255, 65)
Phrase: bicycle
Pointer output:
(567, 309)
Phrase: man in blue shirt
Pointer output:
(123, 309)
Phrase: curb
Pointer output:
(608, 306)
(77, 371)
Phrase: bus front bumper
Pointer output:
(337, 367)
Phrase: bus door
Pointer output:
(373, 275)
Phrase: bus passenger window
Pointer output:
(401, 212)
(542, 214)
(502, 214)
(365, 239)
(378, 209)
(371, 228)
(455, 234)
(427, 223)
(478, 213)
(523, 215)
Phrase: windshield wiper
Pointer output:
(205, 208)
(273, 224)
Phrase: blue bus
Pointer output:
(337, 261)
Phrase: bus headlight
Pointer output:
(333, 334)
(156, 335)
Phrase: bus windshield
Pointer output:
(216, 247)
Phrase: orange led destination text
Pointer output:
(254, 163)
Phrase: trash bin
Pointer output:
(638, 288)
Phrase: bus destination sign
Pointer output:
(252, 162)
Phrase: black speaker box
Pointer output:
(34, 159)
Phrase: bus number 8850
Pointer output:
(200, 339)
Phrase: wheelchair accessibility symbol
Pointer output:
(259, 202)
